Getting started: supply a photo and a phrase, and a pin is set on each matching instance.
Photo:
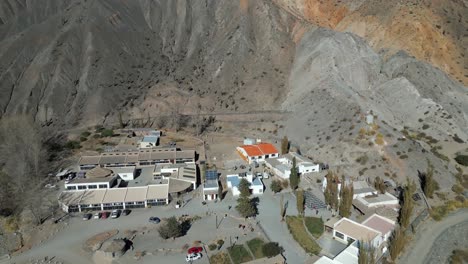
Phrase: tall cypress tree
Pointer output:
(294, 177)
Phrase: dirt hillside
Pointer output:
(435, 31)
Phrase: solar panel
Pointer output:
(211, 175)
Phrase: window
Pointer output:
(71, 188)
(102, 186)
(81, 187)
(338, 234)
(92, 186)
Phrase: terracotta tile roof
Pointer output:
(259, 149)
(267, 148)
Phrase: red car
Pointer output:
(194, 250)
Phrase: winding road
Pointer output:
(424, 240)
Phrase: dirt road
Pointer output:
(424, 240)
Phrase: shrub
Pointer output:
(83, 139)
(96, 136)
(171, 228)
(212, 247)
(220, 258)
(457, 188)
(72, 144)
(107, 133)
(275, 186)
(362, 159)
(462, 160)
(85, 134)
(271, 249)
(220, 243)
(285, 184)
(425, 126)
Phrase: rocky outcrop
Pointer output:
(432, 31)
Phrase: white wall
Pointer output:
(127, 176)
(308, 168)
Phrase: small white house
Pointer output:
(211, 186)
(256, 185)
(347, 231)
(149, 142)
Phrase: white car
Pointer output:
(192, 257)
(115, 213)
(97, 215)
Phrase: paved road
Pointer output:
(427, 235)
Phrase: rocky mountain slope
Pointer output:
(80, 62)
(433, 31)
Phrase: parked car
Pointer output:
(104, 215)
(97, 215)
(115, 213)
(126, 212)
(192, 257)
(87, 216)
(259, 175)
(154, 220)
(194, 250)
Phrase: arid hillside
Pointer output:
(435, 31)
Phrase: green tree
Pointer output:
(171, 228)
(244, 188)
(428, 184)
(284, 145)
(294, 177)
(271, 249)
(107, 133)
(331, 190)
(379, 185)
(407, 204)
(346, 201)
(300, 201)
(245, 206)
(275, 186)
(282, 208)
(366, 254)
(397, 243)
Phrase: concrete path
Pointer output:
(427, 235)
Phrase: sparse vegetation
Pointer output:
(212, 247)
(284, 145)
(72, 144)
(296, 227)
(459, 256)
(107, 133)
(439, 212)
(220, 258)
(171, 228)
(362, 159)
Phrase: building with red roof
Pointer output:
(257, 152)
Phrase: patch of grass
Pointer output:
(255, 246)
(299, 233)
(220, 258)
(314, 225)
(239, 254)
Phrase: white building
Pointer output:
(183, 172)
(348, 231)
(257, 152)
(116, 198)
(149, 142)
(256, 185)
(97, 178)
(125, 173)
(211, 186)
(282, 166)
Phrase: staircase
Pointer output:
(312, 201)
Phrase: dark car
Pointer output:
(115, 214)
(194, 250)
(87, 216)
(126, 212)
(154, 220)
